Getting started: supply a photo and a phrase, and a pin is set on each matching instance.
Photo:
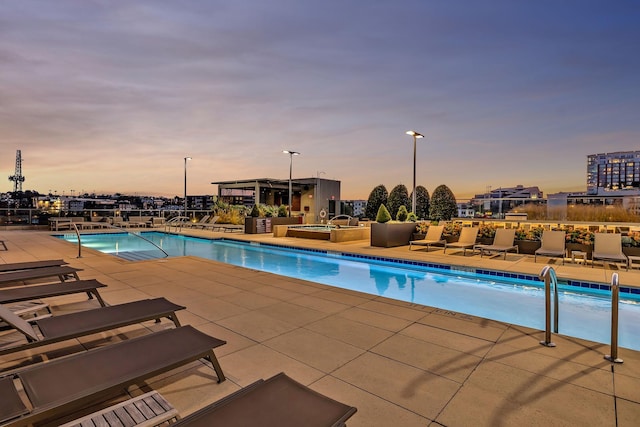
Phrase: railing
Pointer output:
(117, 228)
(548, 274)
(615, 298)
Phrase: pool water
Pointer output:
(583, 313)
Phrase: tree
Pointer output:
(422, 202)
(383, 214)
(402, 213)
(377, 197)
(399, 196)
(443, 204)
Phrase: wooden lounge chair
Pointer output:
(502, 243)
(202, 220)
(28, 293)
(553, 245)
(61, 387)
(211, 223)
(433, 237)
(63, 273)
(608, 247)
(74, 325)
(276, 402)
(466, 241)
(29, 265)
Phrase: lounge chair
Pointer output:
(63, 273)
(466, 241)
(63, 386)
(211, 223)
(553, 245)
(81, 323)
(502, 242)
(202, 220)
(433, 237)
(29, 265)
(276, 402)
(28, 293)
(608, 247)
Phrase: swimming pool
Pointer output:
(585, 308)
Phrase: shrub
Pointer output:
(487, 231)
(399, 196)
(632, 239)
(377, 197)
(534, 233)
(579, 235)
(452, 229)
(422, 227)
(402, 213)
(255, 211)
(412, 217)
(383, 214)
(422, 202)
(443, 204)
(282, 211)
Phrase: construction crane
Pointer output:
(17, 177)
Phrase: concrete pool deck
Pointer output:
(398, 363)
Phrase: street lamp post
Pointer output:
(318, 194)
(185, 185)
(291, 154)
(415, 135)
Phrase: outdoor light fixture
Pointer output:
(291, 154)
(415, 135)
(185, 185)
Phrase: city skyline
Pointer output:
(110, 97)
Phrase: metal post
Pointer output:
(615, 298)
(415, 135)
(546, 273)
(185, 185)
(290, 189)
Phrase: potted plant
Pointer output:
(528, 241)
(579, 239)
(631, 243)
(421, 230)
(486, 233)
(386, 233)
(451, 231)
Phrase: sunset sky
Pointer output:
(110, 96)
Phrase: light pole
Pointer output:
(415, 135)
(318, 207)
(291, 154)
(185, 185)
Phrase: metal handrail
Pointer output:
(117, 228)
(615, 299)
(548, 274)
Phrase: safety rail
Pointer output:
(548, 274)
(615, 299)
(117, 228)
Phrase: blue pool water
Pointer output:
(584, 313)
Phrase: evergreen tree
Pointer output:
(383, 214)
(443, 204)
(402, 214)
(399, 196)
(377, 197)
(422, 202)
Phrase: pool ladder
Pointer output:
(548, 274)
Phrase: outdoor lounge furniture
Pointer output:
(553, 244)
(433, 237)
(202, 220)
(81, 323)
(63, 386)
(466, 241)
(276, 402)
(28, 293)
(16, 266)
(502, 242)
(63, 273)
(608, 247)
(210, 223)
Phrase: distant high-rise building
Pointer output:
(613, 172)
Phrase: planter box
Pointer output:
(528, 247)
(484, 240)
(588, 249)
(631, 250)
(391, 234)
(418, 236)
(253, 225)
(451, 239)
